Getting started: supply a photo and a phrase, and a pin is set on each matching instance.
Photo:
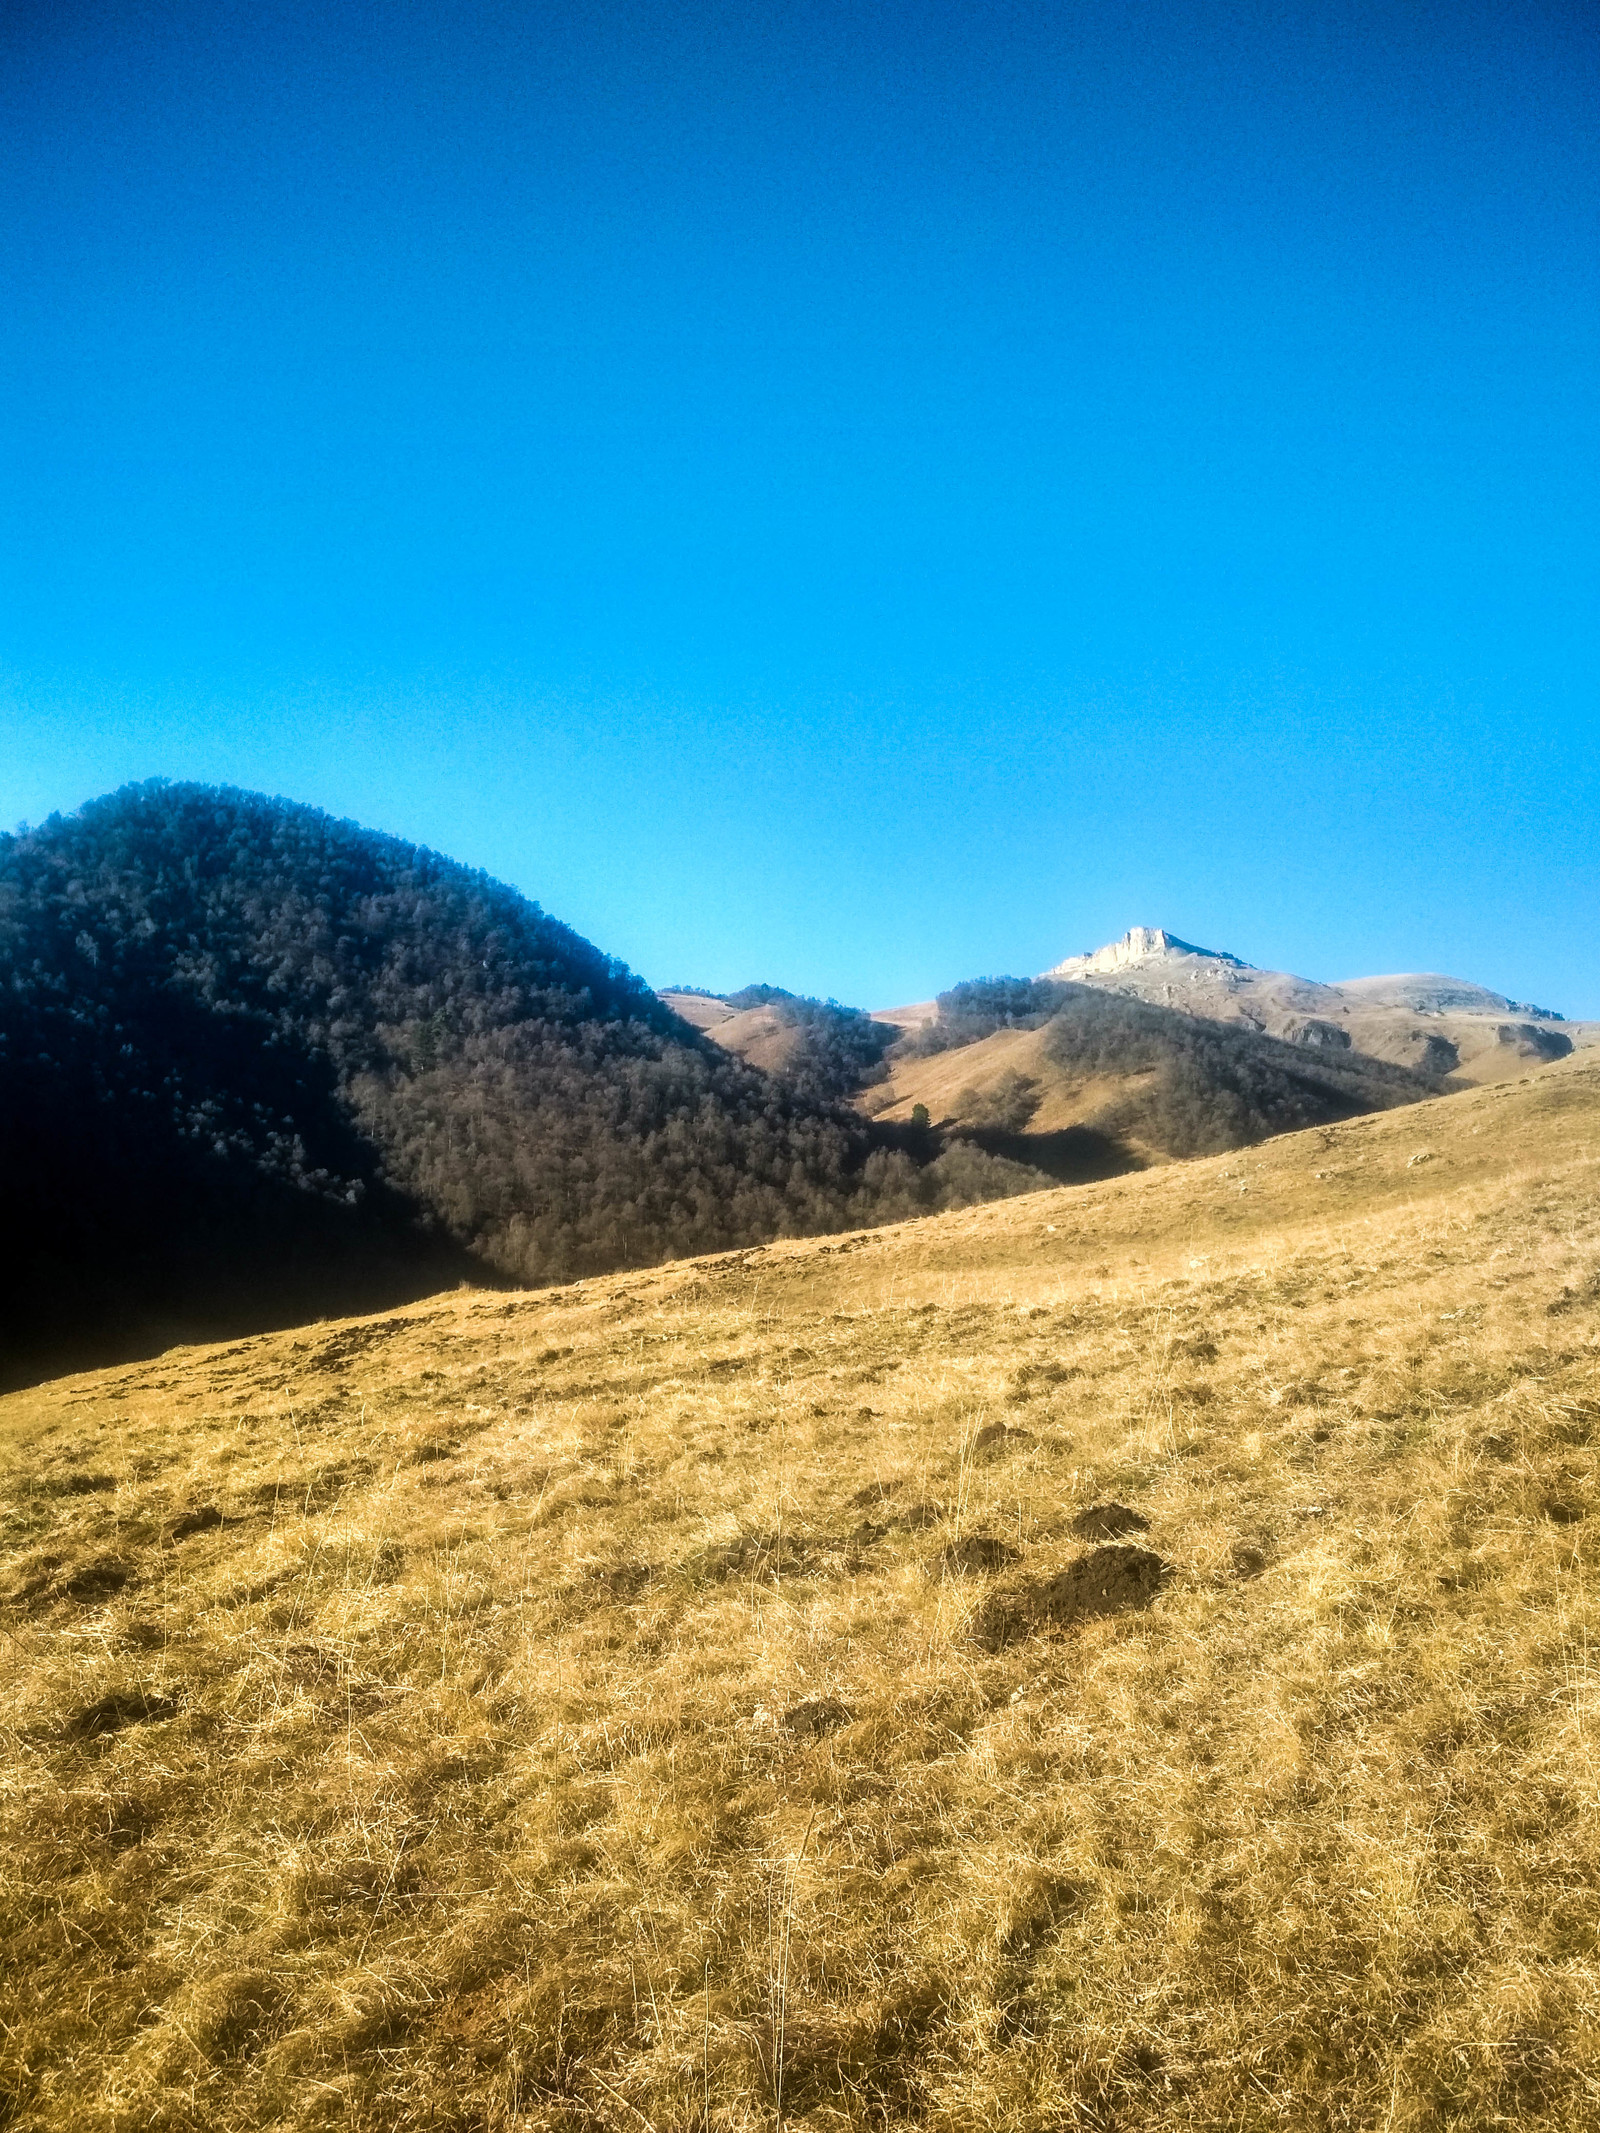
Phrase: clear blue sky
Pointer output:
(855, 495)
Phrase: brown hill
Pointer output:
(941, 1080)
(1120, 1657)
(823, 1051)
(758, 1035)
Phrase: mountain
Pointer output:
(257, 1063)
(1439, 1025)
(1208, 1052)
(1119, 1658)
(1075, 1080)
(1084, 1082)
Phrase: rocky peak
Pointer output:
(1140, 945)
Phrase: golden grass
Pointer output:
(586, 1709)
(939, 1081)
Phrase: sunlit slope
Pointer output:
(1082, 1083)
(940, 1081)
(1118, 1658)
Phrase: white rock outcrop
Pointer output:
(1419, 1019)
(1138, 947)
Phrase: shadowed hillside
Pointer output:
(1123, 1659)
(257, 1064)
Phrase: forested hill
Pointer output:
(257, 1063)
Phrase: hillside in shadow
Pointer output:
(257, 1064)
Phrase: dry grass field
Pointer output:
(1066, 1098)
(1122, 1658)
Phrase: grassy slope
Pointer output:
(441, 1663)
(1066, 1099)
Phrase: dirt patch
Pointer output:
(76, 1485)
(1037, 1913)
(1198, 1350)
(313, 1666)
(1108, 1521)
(311, 1493)
(88, 1582)
(234, 2015)
(754, 1555)
(977, 1555)
(625, 1581)
(1032, 1377)
(1106, 1581)
(917, 1517)
(1573, 1298)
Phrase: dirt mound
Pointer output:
(203, 1518)
(977, 1554)
(755, 1555)
(87, 1583)
(998, 1439)
(1106, 1581)
(917, 1517)
(1108, 1521)
(625, 1581)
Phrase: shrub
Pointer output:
(1005, 1106)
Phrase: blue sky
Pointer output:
(850, 495)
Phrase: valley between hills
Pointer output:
(1119, 1656)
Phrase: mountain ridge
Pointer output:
(1440, 1024)
(973, 1061)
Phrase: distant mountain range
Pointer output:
(1440, 1025)
(1152, 1048)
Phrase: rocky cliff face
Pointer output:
(1139, 946)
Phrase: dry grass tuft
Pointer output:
(1120, 1659)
